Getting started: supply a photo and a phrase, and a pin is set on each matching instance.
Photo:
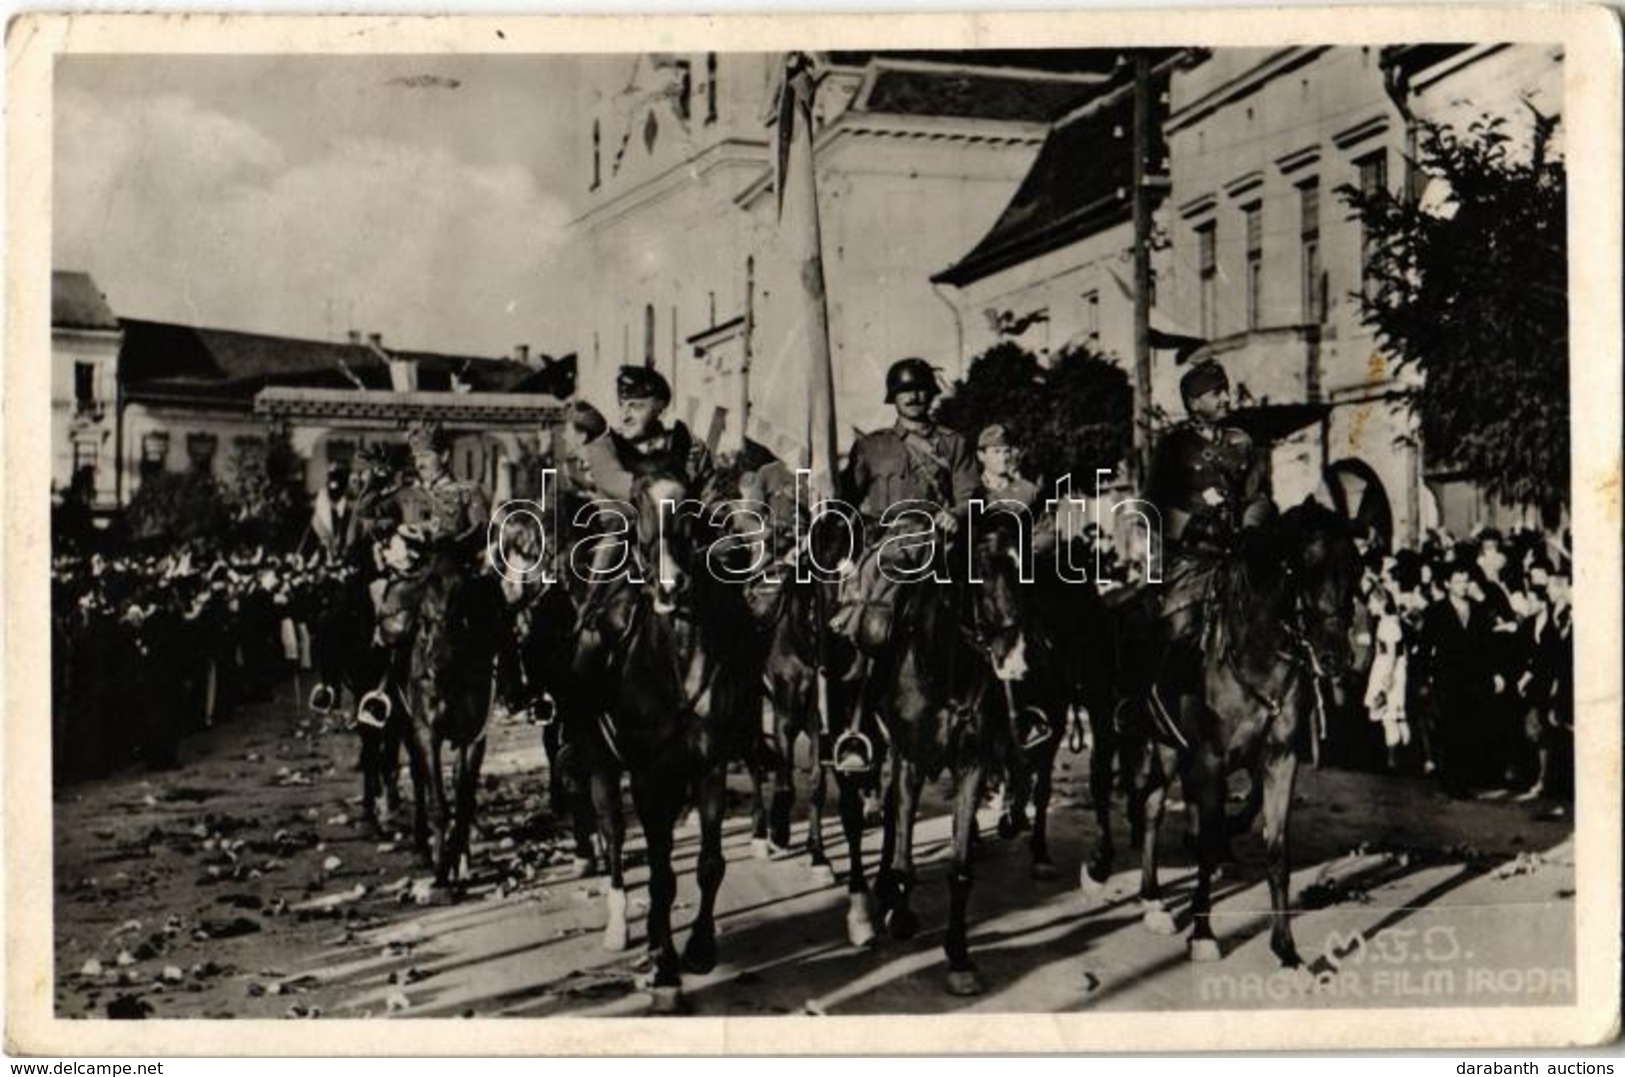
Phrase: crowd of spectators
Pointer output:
(1470, 653)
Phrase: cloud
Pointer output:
(191, 215)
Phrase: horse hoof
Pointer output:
(699, 957)
(964, 982)
(1159, 922)
(1205, 950)
(860, 925)
(1043, 869)
(902, 924)
(760, 849)
(823, 874)
(1092, 888)
(1008, 827)
(665, 1000)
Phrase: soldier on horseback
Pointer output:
(1209, 483)
(914, 460)
(435, 514)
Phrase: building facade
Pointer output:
(85, 341)
(915, 158)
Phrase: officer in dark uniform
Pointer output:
(1208, 480)
(435, 512)
(642, 446)
(914, 460)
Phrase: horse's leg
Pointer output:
(658, 799)
(606, 797)
(962, 977)
(583, 820)
(700, 955)
(1280, 772)
(1106, 749)
(860, 925)
(418, 750)
(1147, 808)
(885, 876)
(900, 919)
(469, 761)
(372, 766)
(1018, 790)
(440, 830)
(1205, 785)
(1043, 782)
(817, 801)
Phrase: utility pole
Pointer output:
(1141, 462)
(745, 351)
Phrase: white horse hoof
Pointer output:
(615, 932)
(1204, 950)
(1043, 869)
(860, 923)
(760, 849)
(1093, 889)
(1159, 922)
(823, 874)
(964, 983)
(666, 1000)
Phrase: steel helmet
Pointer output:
(906, 374)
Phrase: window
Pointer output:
(1208, 273)
(1373, 180)
(84, 385)
(1091, 319)
(648, 334)
(200, 450)
(1254, 215)
(84, 457)
(154, 451)
(1314, 276)
(711, 95)
(685, 89)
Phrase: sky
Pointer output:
(424, 198)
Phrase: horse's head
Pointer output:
(998, 598)
(1325, 569)
(670, 543)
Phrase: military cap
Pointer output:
(641, 383)
(994, 436)
(907, 374)
(1205, 377)
(428, 437)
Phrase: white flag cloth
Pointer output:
(793, 385)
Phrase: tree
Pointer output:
(266, 489)
(178, 507)
(1472, 290)
(1069, 419)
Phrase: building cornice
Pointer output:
(729, 151)
(944, 129)
(1274, 66)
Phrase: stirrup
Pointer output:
(322, 699)
(852, 753)
(374, 709)
(1039, 732)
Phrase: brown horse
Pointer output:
(1276, 638)
(675, 691)
(448, 691)
(940, 699)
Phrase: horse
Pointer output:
(447, 692)
(1276, 637)
(940, 695)
(675, 691)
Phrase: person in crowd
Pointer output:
(1456, 648)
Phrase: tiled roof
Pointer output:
(229, 367)
(1078, 185)
(973, 95)
(76, 303)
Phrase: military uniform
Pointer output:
(900, 464)
(616, 462)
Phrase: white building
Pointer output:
(85, 339)
(915, 158)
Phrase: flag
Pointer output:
(798, 371)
